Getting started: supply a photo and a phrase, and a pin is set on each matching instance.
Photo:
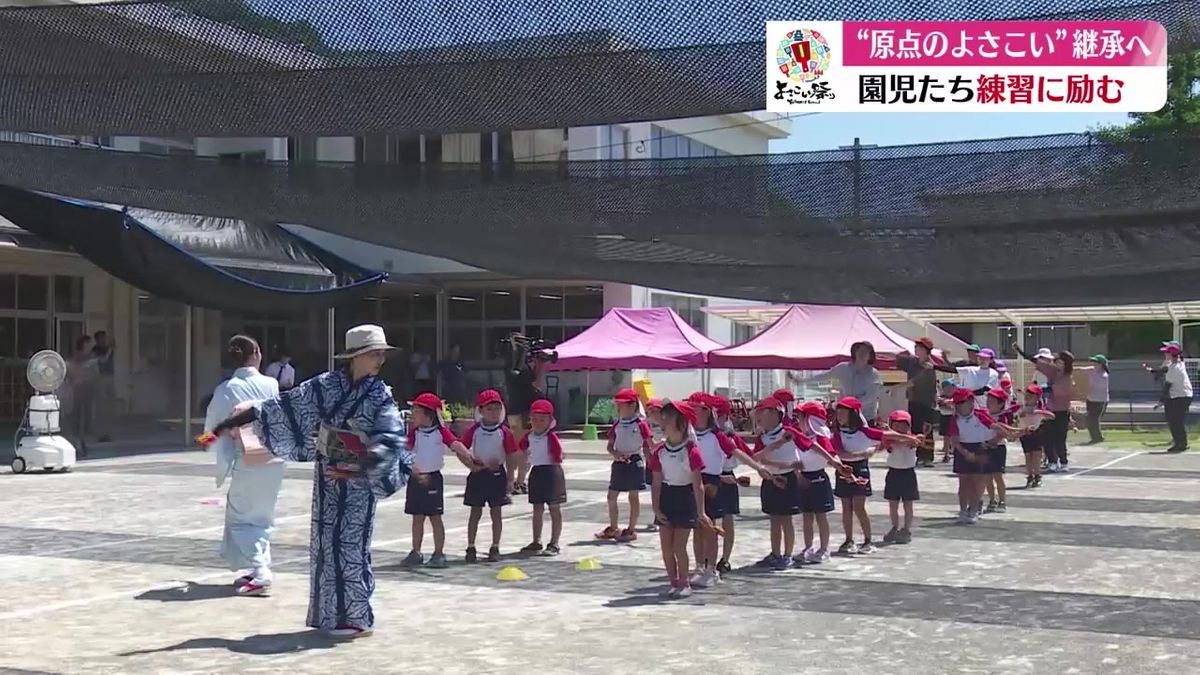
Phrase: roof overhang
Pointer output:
(760, 315)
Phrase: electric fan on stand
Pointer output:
(39, 443)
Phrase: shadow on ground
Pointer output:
(264, 644)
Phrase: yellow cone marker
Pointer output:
(511, 573)
(587, 564)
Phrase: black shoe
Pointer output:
(494, 554)
(1176, 451)
(471, 555)
(724, 567)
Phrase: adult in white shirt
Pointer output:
(253, 490)
(1178, 395)
(980, 377)
(1097, 396)
(282, 370)
(857, 377)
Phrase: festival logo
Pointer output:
(803, 55)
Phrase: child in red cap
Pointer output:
(677, 493)
(971, 433)
(628, 444)
(1000, 410)
(547, 483)
(729, 488)
(855, 442)
(816, 493)
(1030, 417)
(428, 441)
(492, 445)
(900, 486)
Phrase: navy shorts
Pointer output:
(817, 495)
(627, 476)
(731, 498)
(678, 505)
(1032, 442)
(964, 467)
(997, 458)
(846, 489)
(944, 425)
(900, 485)
(424, 497)
(547, 484)
(487, 488)
(713, 506)
(780, 501)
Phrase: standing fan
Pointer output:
(39, 443)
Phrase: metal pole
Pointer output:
(587, 396)
(329, 337)
(1021, 382)
(187, 376)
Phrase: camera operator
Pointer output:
(525, 382)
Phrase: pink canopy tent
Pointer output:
(624, 339)
(814, 337)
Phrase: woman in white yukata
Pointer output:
(253, 490)
(369, 461)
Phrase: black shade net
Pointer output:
(347, 67)
(203, 261)
(1042, 221)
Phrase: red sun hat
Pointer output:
(924, 342)
(721, 405)
(770, 403)
(701, 399)
(626, 396)
(1006, 384)
(1034, 388)
(488, 397)
(541, 407)
(900, 416)
(428, 400)
(655, 403)
(1171, 348)
(850, 403)
(814, 409)
(685, 410)
(963, 395)
(998, 394)
(784, 396)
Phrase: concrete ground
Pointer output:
(114, 569)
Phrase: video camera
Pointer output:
(527, 348)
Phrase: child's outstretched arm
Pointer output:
(464, 455)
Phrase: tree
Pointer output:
(1180, 115)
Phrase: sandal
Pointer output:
(609, 532)
(535, 547)
(493, 554)
(627, 535)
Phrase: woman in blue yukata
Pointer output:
(347, 423)
(253, 489)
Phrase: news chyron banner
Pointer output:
(966, 66)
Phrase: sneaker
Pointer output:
(348, 632)
(972, 516)
(243, 580)
(1001, 507)
(867, 547)
(438, 561)
(801, 557)
(822, 556)
(471, 556)
(964, 517)
(254, 589)
(683, 592)
(1063, 468)
(1029, 482)
(627, 535)
(904, 536)
(991, 506)
(978, 507)
(1052, 468)
(651, 527)
(890, 537)
(699, 580)
(768, 561)
(810, 555)
(724, 567)
(551, 550)
(714, 578)
(494, 554)
(669, 591)
(848, 547)
(413, 559)
(535, 547)
(784, 562)
(1176, 451)
(609, 532)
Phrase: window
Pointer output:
(68, 294)
(691, 309)
(8, 291)
(433, 149)
(1056, 338)
(371, 149)
(464, 305)
(583, 302)
(302, 149)
(544, 303)
(32, 336)
(404, 149)
(33, 291)
(742, 332)
(666, 145)
(503, 305)
(469, 339)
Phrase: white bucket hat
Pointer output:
(1044, 353)
(363, 339)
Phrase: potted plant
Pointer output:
(461, 417)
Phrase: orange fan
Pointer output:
(206, 439)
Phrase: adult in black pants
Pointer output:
(1177, 394)
(922, 395)
(1058, 376)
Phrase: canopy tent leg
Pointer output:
(587, 396)
(1021, 381)
(330, 337)
(187, 376)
